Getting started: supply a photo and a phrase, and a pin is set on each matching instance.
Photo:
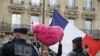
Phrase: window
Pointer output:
(88, 26)
(53, 3)
(16, 18)
(16, 1)
(71, 3)
(34, 20)
(71, 20)
(35, 2)
(88, 4)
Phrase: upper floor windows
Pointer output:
(71, 3)
(16, 20)
(35, 2)
(88, 5)
(53, 3)
(16, 1)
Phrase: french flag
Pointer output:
(71, 32)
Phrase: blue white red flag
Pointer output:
(70, 32)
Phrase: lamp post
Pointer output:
(43, 21)
(44, 48)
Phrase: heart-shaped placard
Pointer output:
(48, 35)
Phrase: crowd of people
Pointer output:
(18, 46)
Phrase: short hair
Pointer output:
(78, 41)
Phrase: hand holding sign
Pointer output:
(48, 35)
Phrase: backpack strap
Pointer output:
(35, 49)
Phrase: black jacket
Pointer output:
(59, 53)
(18, 48)
(78, 52)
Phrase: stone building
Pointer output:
(84, 14)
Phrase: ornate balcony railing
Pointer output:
(94, 33)
(6, 27)
(54, 6)
(35, 8)
(92, 9)
(35, 4)
(71, 7)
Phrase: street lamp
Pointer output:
(43, 12)
(43, 21)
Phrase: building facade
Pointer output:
(84, 14)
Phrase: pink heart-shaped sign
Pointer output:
(48, 35)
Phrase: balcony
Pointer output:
(72, 8)
(88, 13)
(16, 6)
(88, 10)
(6, 27)
(94, 33)
(35, 9)
(71, 11)
(16, 9)
(88, 16)
(54, 6)
(35, 4)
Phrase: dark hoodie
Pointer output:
(78, 51)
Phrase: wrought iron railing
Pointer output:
(94, 33)
(71, 7)
(92, 9)
(6, 27)
(54, 6)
